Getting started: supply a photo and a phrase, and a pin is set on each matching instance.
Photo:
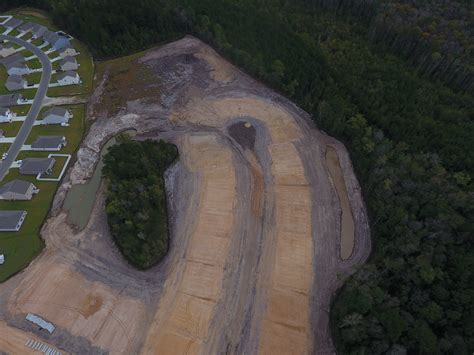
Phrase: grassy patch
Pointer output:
(58, 167)
(22, 246)
(14, 33)
(10, 129)
(34, 63)
(20, 110)
(127, 81)
(4, 148)
(33, 78)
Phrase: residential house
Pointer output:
(35, 166)
(2, 259)
(38, 31)
(68, 51)
(17, 68)
(7, 49)
(12, 23)
(6, 115)
(56, 40)
(26, 27)
(56, 115)
(15, 82)
(11, 100)
(68, 78)
(11, 221)
(18, 190)
(68, 63)
(47, 143)
(12, 59)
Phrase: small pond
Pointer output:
(81, 197)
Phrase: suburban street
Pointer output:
(35, 107)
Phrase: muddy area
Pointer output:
(258, 244)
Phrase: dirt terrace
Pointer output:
(266, 213)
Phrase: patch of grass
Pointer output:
(14, 33)
(4, 148)
(33, 78)
(23, 246)
(34, 63)
(20, 110)
(58, 167)
(127, 81)
(10, 129)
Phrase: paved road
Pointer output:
(35, 107)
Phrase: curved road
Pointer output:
(35, 107)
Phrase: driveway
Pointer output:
(35, 107)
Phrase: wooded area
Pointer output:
(394, 81)
(136, 199)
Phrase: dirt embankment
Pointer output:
(261, 222)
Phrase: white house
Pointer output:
(68, 78)
(68, 63)
(6, 115)
(68, 51)
(56, 115)
(2, 259)
(6, 49)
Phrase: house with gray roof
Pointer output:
(26, 27)
(6, 115)
(11, 221)
(35, 166)
(7, 49)
(56, 40)
(12, 23)
(67, 51)
(38, 31)
(17, 68)
(48, 143)
(12, 59)
(68, 78)
(68, 63)
(15, 82)
(56, 115)
(11, 100)
(18, 190)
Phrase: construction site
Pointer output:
(266, 221)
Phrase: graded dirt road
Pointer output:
(263, 222)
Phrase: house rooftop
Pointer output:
(68, 74)
(18, 79)
(48, 142)
(4, 110)
(26, 27)
(68, 59)
(34, 166)
(9, 219)
(58, 111)
(12, 99)
(17, 57)
(12, 23)
(16, 186)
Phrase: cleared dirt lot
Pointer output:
(256, 223)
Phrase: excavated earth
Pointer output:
(267, 219)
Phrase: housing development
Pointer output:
(32, 43)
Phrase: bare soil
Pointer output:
(256, 224)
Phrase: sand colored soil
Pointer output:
(258, 245)
(13, 341)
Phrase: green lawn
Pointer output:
(23, 246)
(34, 78)
(34, 63)
(14, 33)
(58, 167)
(4, 148)
(20, 110)
(10, 129)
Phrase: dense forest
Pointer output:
(136, 199)
(394, 81)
